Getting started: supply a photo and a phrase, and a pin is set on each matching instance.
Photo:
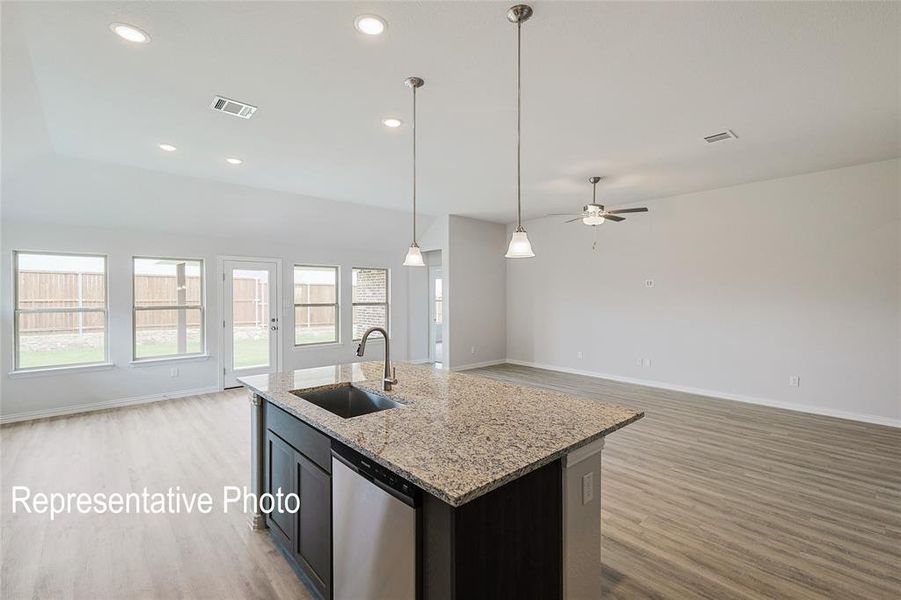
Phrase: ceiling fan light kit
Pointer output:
(595, 214)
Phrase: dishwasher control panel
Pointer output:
(386, 479)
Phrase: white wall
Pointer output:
(476, 283)
(46, 206)
(752, 284)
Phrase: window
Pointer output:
(168, 307)
(60, 311)
(315, 305)
(370, 300)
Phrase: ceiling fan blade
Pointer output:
(571, 220)
(627, 210)
(614, 218)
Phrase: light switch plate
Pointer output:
(587, 487)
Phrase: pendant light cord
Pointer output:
(414, 164)
(518, 124)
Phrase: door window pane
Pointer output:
(250, 318)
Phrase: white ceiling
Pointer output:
(625, 90)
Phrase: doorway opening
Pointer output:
(437, 350)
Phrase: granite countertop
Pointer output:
(457, 436)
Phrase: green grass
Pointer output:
(248, 352)
(29, 359)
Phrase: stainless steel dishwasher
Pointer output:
(374, 537)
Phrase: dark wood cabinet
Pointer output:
(305, 537)
(314, 523)
(280, 476)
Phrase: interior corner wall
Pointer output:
(475, 268)
(752, 284)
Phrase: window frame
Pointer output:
(135, 309)
(17, 311)
(386, 303)
(336, 304)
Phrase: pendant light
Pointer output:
(414, 254)
(519, 247)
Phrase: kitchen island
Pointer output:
(504, 480)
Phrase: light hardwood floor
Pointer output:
(703, 498)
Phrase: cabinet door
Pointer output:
(314, 522)
(280, 474)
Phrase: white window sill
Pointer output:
(45, 371)
(318, 346)
(149, 362)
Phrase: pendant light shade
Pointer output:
(414, 254)
(519, 247)
(414, 257)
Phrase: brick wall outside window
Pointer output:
(370, 300)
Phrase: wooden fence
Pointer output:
(43, 290)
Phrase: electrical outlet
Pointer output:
(649, 283)
(794, 381)
(587, 487)
(579, 355)
(639, 361)
(173, 372)
(647, 362)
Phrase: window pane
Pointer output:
(369, 316)
(60, 338)
(314, 325)
(370, 285)
(167, 282)
(168, 332)
(60, 281)
(315, 285)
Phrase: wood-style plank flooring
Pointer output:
(703, 498)
(707, 498)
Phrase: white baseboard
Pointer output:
(805, 408)
(419, 361)
(479, 365)
(82, 408)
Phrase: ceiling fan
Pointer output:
(595, 214)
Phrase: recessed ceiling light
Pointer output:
(392, 122)
(130, 33)
(168, 147)
(234, 161)
(370, 24)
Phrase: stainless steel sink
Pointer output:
(348, 401)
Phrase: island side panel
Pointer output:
(582, 522)
(505, 544)
(257, 457)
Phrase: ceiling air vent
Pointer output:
(719, 137)
(233, 107)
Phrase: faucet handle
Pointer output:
(394, 374)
